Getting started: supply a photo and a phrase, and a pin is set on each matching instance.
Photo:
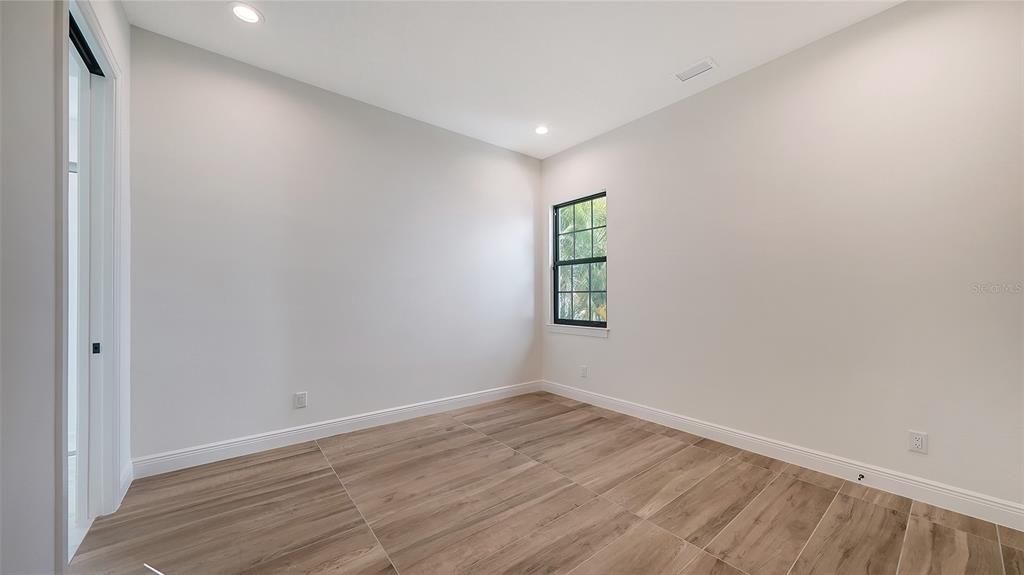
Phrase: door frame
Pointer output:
(108, 450)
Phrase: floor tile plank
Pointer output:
(588, 454)
(1011, 537)
(405, 526)
(648, 492)
(571, 423)
(355, 456)
(282, 505)
(933, 549)
(681, 435)
(767, 536)
(404, 483)
(876, 496)
(698, 515)
(643, 549)
(355, 552)
(627, 463)
(558, 398)
(553, 442)
(824, 480)
(512, 415)
(459, 545)
(563, 544)
(717, 447)
(607, 414)
(854, 538)
(706, 564)
(1013, 559)
(773, 465)
(959, 521)
(347, 445)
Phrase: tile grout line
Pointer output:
(571, 480)
(600, 495)
(775, 478)
(356, 506)
(702, 550)
(682, 493)
(813, 531)
(999, 542)
(653, 465)
(644, 470)
(906, 534)
(491, 438)
(538, 462)
(659, 527)
(564, 476)
(610, 543)
(648, 519)
(726, 562)
(691, 561)
(688, 489)
(909, 513)
(596, 494)
(699, 550)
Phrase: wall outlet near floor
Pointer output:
(918, 442)
(300, 400)
(584, 372)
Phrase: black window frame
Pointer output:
(556, 263)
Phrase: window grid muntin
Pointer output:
(593, 319)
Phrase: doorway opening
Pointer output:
(86, 266)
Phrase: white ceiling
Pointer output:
(494, 71)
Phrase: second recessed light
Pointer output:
(542, 129)
(246, 13)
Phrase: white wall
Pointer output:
(795, 253)
(33, 53)
(288, 239)
(1, 285)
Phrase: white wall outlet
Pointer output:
(918, 442)
(584, 372)
(300, 400)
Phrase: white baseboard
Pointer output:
(964, 501)
(1001, 511)
(192, 456)
(127, 476)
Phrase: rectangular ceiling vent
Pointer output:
(705, 65)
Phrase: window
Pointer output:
(580, 272)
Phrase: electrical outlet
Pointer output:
(584, 372)
(918, 442)
(300, 400)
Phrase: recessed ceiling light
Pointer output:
(246, 13)
(541, 129)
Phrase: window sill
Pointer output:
(601, 332)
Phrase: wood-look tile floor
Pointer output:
(532, 484)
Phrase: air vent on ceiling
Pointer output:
(705, 65)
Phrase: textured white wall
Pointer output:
(1, 286)
(32, 54)
(289, 239)
(796, 252)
